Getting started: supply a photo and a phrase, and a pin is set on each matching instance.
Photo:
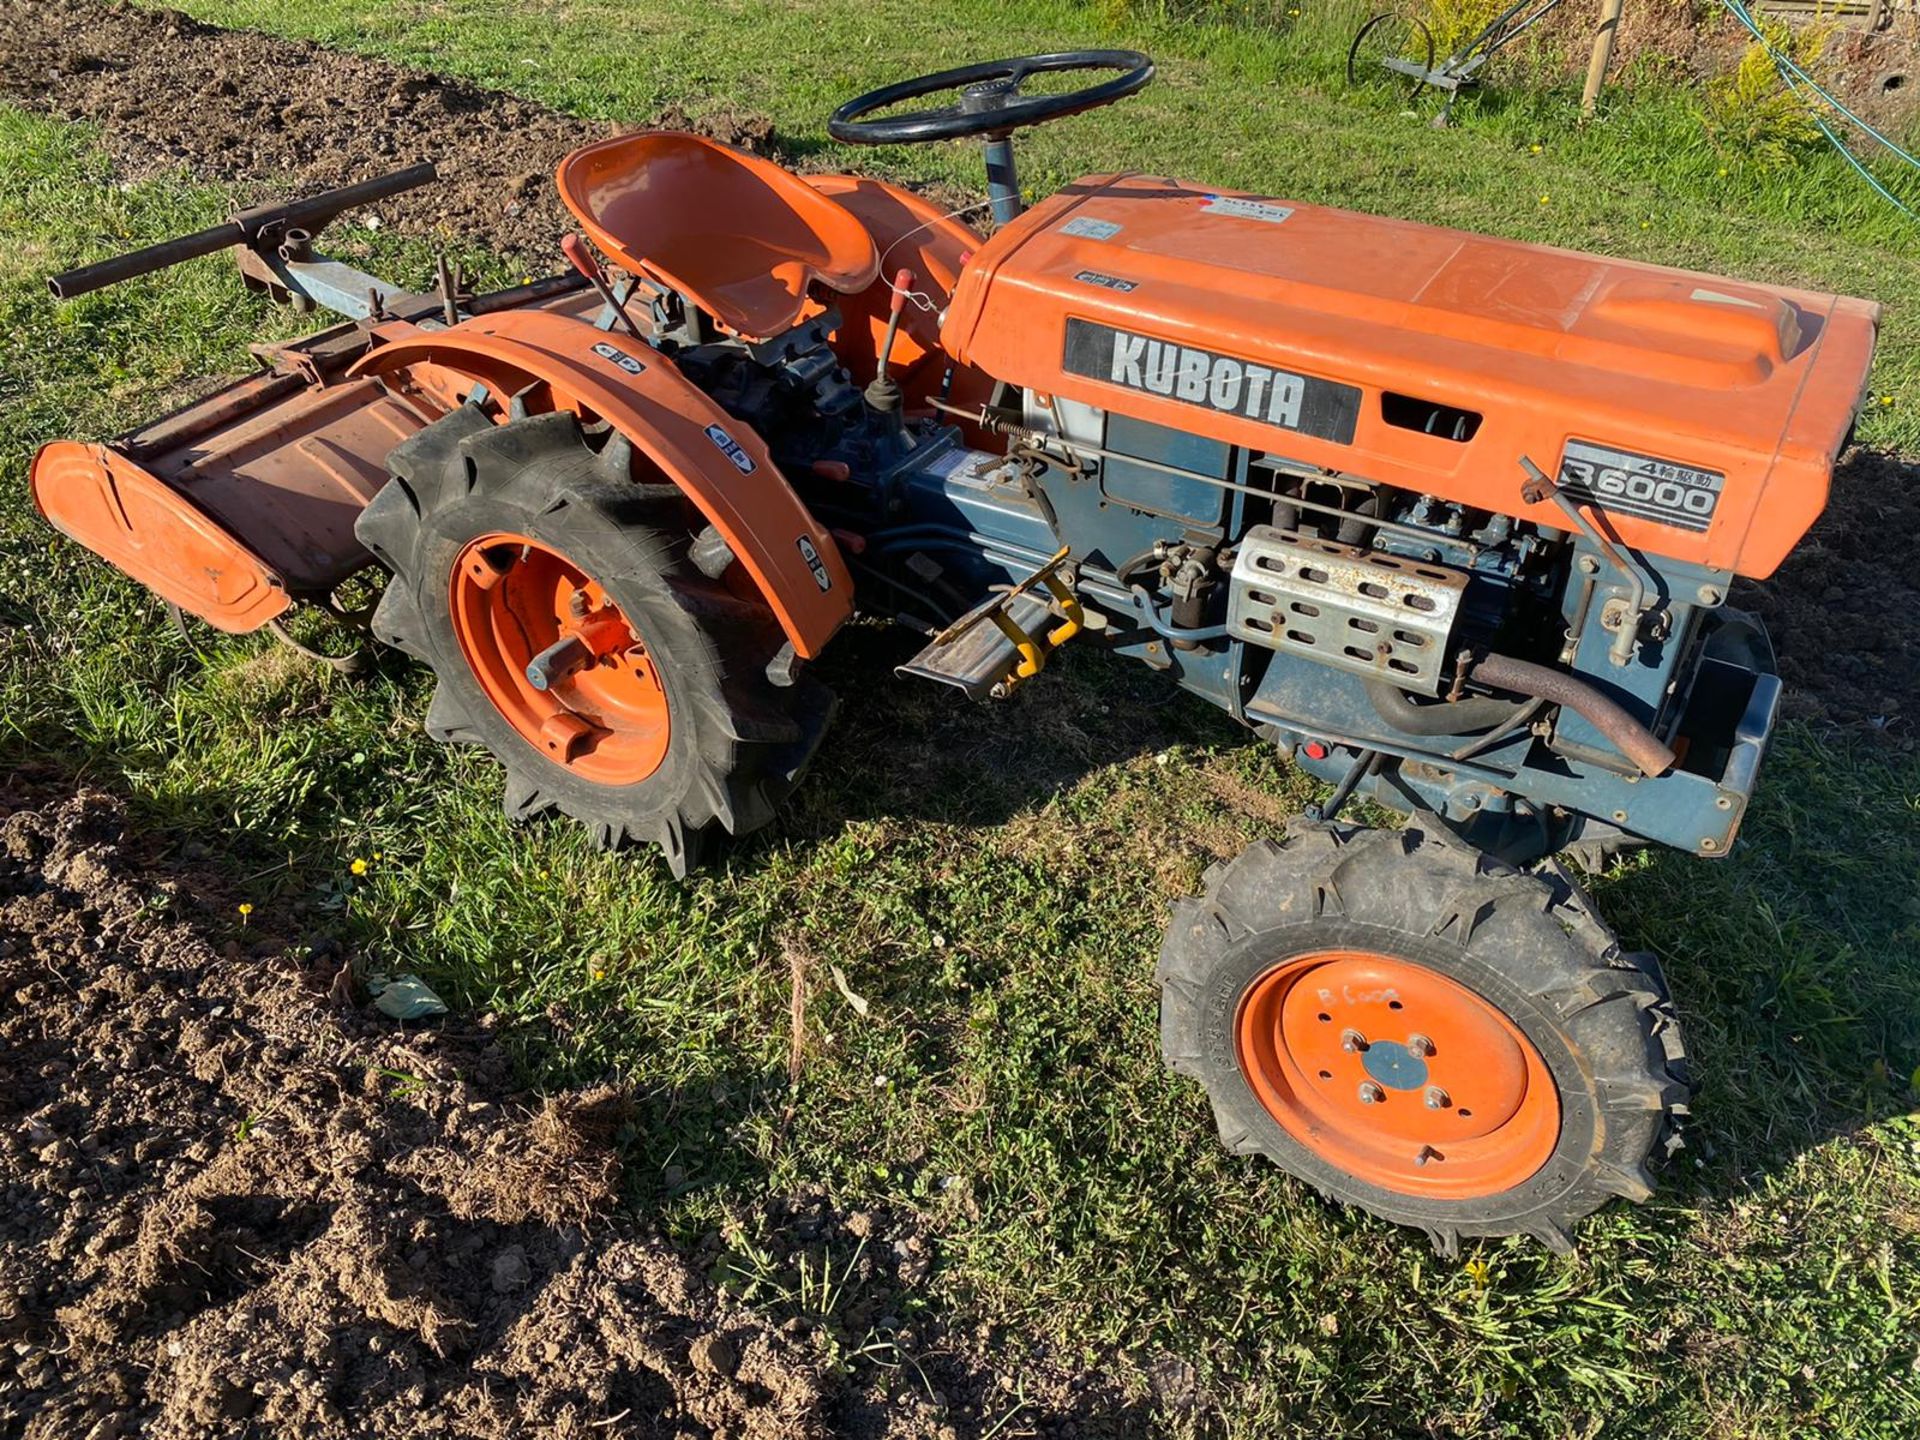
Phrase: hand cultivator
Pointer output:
(1403, 46)
(1452, 520)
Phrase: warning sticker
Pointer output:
(1246, 209)
(731, 448)
(1088, 228)
(619, 357)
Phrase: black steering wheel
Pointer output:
(990, 101)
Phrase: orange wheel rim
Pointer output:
(1397, 1074)
(559, 659)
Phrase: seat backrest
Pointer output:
(737, 235)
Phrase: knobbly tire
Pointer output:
(1419, 1030)
(503, 539)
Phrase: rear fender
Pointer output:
(721, 465)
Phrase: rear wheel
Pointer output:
(573, 636)
(1421, 1031)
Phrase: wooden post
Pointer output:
(1602, 54)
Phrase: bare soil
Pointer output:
(234, 1199)
(1844, 608)
(248, 109)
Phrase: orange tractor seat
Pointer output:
(738, 236)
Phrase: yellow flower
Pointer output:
(1535, 149)
(1646, 224)
(599, 974)
(1721, 172)
(1477, 1272)
(246, 908)
(1546, 199)
(359, 867)
(1886, 399)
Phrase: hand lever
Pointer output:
(574, 247)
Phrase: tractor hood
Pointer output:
(1700, 416)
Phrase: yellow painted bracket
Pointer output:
(1032, 650)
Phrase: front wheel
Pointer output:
(1417, 1029)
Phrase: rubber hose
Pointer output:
(1626, 734)
(1461, 717)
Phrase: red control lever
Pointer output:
(574, 247)
(902, 283)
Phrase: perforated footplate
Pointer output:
(1360, 610)
(981, 658)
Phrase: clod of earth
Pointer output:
(241, 107)
(225, 1198)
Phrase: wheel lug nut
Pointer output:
(1437, 1098)
(1352, 1041)
(1371, 1094)
(1420, 1045)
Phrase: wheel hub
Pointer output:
(1398, 1074)
(559, 659)
(1394, 1065)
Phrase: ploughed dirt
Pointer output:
(235, 106)
(235, 1200)
(1844, 608)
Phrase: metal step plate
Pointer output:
(1375, 614)
(982, 657)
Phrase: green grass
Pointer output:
(992, 881)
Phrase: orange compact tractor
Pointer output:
(1452, 520)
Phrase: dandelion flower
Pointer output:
(1535, 149)
(1546, 199)
(359, 867)
(246, 907)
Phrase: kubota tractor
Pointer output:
(1453, 520)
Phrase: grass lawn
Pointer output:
(991, 882)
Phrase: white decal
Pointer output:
(811, 554)
(730, 447)
(1225, 384)
(1201, 378)
(619, 357)
(1640, 485)
(1247, 209)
